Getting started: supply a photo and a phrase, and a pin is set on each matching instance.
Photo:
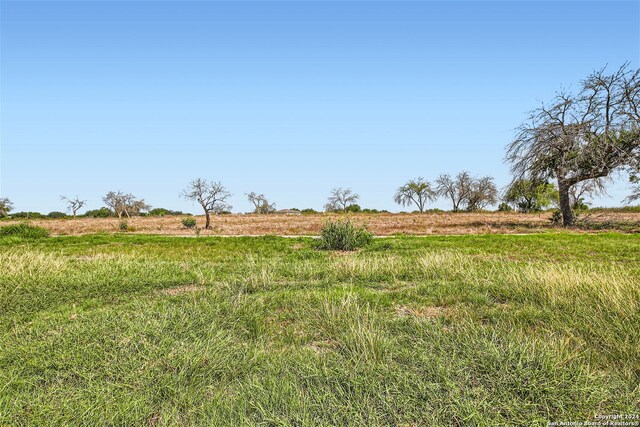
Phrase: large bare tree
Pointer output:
(340, 198)
(261, 204)
(73, 204)
(5, 207)
(581, 136)
(124, 203)
(415, 191)
(455, 189)
(212, 196)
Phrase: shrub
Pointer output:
(189, 222)
(556, 217)
(308, 211)
(353, 208)
(27, 215)
(56, 214)
(344, 236)
(163, 212)
(25, 231)
(504, 207)
(124, 226)
(99, 213)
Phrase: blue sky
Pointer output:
(289, 99)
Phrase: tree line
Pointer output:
(579, 139)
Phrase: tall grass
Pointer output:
(490, 330)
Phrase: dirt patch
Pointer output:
(182, 290)
(297, 246)
(429, 312)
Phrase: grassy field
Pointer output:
(445, 330)
(381, 224)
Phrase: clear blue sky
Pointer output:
(288, 99)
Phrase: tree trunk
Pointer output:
(208, 223)
(565, 203)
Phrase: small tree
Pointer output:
(212, 196)
(457, 190)
(483, 193)
(417, 191)
(261, 204)
(73, 205)
(579, 193)
(339, 199)
(531, 196)
(5, 207)
(124, 204)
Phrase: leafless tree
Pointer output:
(212, 196)
(457, 190)
(261, 204)
(582, 190)
(417, 191)
(73, 205)
(124, 204)
(483, 192)
(340, 198)
(581, 136)
(5, 207)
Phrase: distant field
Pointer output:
(484, 330)
(378, 224)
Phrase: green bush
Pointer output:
(308, 211)
(189, 222)
(124, 226)
(344, 236)
(56, 215)
(353, 208)
(504, 207)
(99, 213)
(25, 231)
(27, 215)
(556, 217)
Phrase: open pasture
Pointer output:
(128, 329)
(381, 224)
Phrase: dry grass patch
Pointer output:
(182, 290)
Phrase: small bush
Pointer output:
(353, 208)
(27, 215)
(25, 231)
(189, 222)
(56, 215)
(99, 213)
(124, 226)
(344, 236)
(504, 207)
(556, 217)
(308, 211)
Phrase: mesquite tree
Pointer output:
(417, 191)
(73, 205)
(339, 199)
(5, 207)
(124, 204)
(212, 196)
(581, 136)
(261, 204)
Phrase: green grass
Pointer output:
(458, 330)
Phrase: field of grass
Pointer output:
(380, 224)
(444, 330)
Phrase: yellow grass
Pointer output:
(291, 225)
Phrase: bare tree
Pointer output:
(417, 191)
(483, 192)
(340, 198)
(581, 136)
(124, 204)
(582, 190)
(212, 196)
(457, 190)
(5, 207)
(73, 205)
(261, 204)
